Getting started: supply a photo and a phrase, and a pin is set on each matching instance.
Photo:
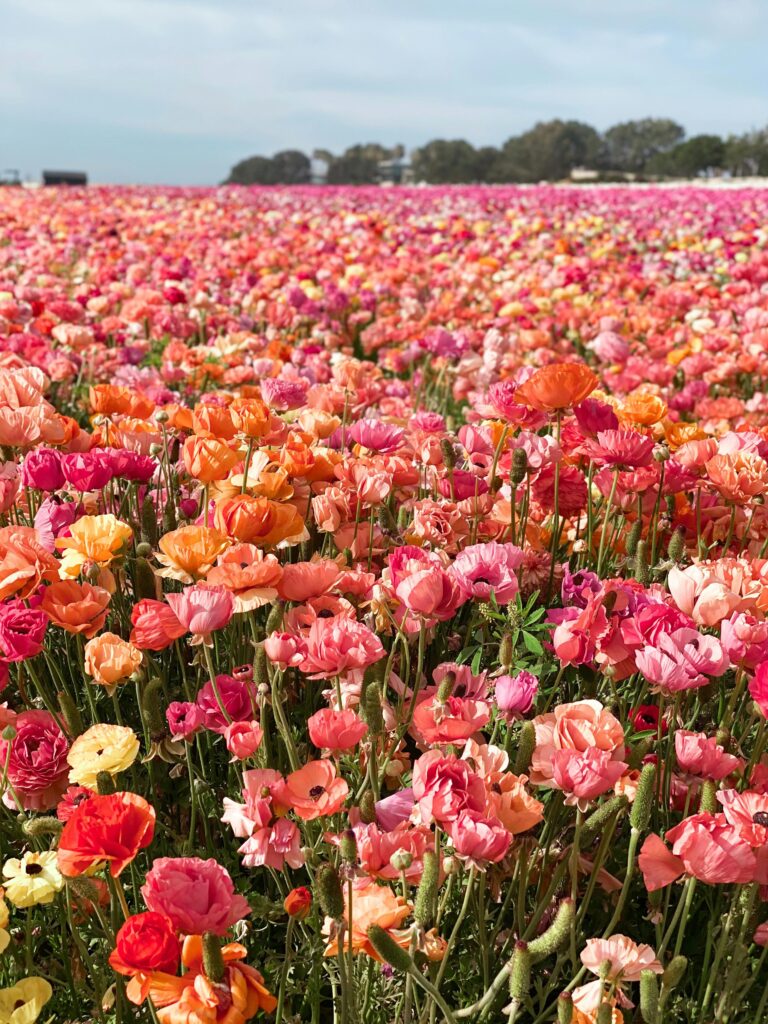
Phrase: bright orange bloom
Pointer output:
(642, 409)
(314, 790)
(195, 999)
(188, 553)
(210, 420)
(738, 476)
(24, 562)
(207, 459)
(110, 660)
(108, 399)
(258, 520)
(371, 904)
(251, 416)
(557, 386)
(105, 830)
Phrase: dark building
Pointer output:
(65, 178)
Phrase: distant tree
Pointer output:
(629, 146)
(747, 155)
(357, 165)
(291, 167)
(445, 162)
(254, 170)
(700, 154)
(551, 149)
(486, 162)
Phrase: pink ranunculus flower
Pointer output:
(196, 895)
(22, 630)
(202, 609)
(745, 640)
(237, 698)
(86, 471)
(443, 787)
(758, 688)
(339, 645)
(285, 650)
(243, 739)
(330, 729)
(701, 755)
(482, 570)
(713, 851)
(274, 846)
(184, 719)
(478, 840)
(515, 694)
(41, 470)
(627, 960)
(579, 726)
(431, 593)
(586, 774)
(37, 761)
(699, 594)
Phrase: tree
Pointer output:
(747, 155)
(353, 168)
(701, 154)
(630, 145)
(254, 170)
(291, 167)
(445, 162)
(549, 151)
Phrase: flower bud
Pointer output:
(445, 689)
(328, 891)
(520, 971)
(298, 903)
(525, 747)
(213, 961)
(401, 860)
(368, 807)
(555, 937)
(426, 894)
(708, 800)
(519, 466)
(449, 453)
(43, 826)
(506, 651)
(597, 821)
(348, 846)
(388, 949)
(633, 537)
(564, 1008)
(676, 546)
(604, 1014)
(105, 784)
(370, 709)
(674, 973)
(642, 571)
(645, 798)
(649, 997)
(9, 733)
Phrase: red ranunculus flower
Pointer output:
(105, 829)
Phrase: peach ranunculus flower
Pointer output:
(24, 562)
(371, 904)
(187, 554)
(208, 459)
(574, 727)
(100, 539)
(76, 607)
(102, 748)
(251, 576)
(557, 387)
(628, 960)
(710, 591)
(738, 476)
(110, 660)
(641, 408)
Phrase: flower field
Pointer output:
(384, 606)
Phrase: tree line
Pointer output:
(649, 148)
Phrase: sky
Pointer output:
(176, 91)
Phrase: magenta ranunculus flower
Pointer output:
(196, 895)
(485, 569)
(237, 700)
(377, 436)
(86, 471)
(42, 470)
(37, 764)
(22, 630)
(515, 694)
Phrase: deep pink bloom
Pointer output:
(377, 436)
(195, 895)
(22, 630)
(185, 719)
(593, 416)
(237, 697)
(623, 448)
(515, 694)
(42, 470)
(86, 471)
(478, 840)
(482, 570)
(37, 765)
(758, 688)
(745, 639)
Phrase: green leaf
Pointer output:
(532, 643)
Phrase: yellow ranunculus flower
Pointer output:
(102, 748)
(22, 1003)
(33, 879)
(5, 938)
(98, 539)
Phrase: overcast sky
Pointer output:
(176, 91)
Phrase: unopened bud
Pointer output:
(674, 973)
(105, 784)
(348, 846)
(564, 1008)
(649, 997)
(213, 961)
(525, 746)
(368, 807)
(604, 1014)
(9, 733)
(506, 651)
(426, 894)
(708, 800)
(597, 821)
(520, 971)
(642, 570)
(388, 949)
(555, 937)
(275, 617)
(43, 826)
(401, 860)
(370, 709)
(519, 466)
(676, 546)
(328, 891)
(645, 798)
(449, 454)
(445, 689)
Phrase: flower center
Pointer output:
(316, 792)
(33, 869)
(760, 818)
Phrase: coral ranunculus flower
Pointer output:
(558, 386)
(110, 660)
(105, 830)
(155, 625)
(371, 904)
(76, 607)
(314, 791)
(145, 943)
(250, 575)
(195, 999)
(262, 521)
(24, 562)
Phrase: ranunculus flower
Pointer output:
(102, 748)
(42, 470)
(478, 840)
(195, 895)
(243, 739)
(110, 660)
(443, 787)
(336, 730)
(145, 943)
(237, 698)
(515, 694)
(201, 609)
(37, 765)
(314, 791)
(155, 625)
(22, 630)
(339, 645)
(105, 830)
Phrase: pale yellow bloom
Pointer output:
(97, 539)
(23, 1002)
(33, 879)
(102, 748)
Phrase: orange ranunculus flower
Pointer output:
(179, 416)
(188, 553)
(207, 459)
(108, 399)
(105, 830)
(195, 999)
(371, 904)
(210, 420)
(253, 520)
(557, 386)
(98, 539)
(24, 562)
(137, 435)
(678, 434)
(642, 409)
(76, 607)
(251, 416)
(295, 456)
(110, 660)
(324, 466)
(249, 574)
(738, 476)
